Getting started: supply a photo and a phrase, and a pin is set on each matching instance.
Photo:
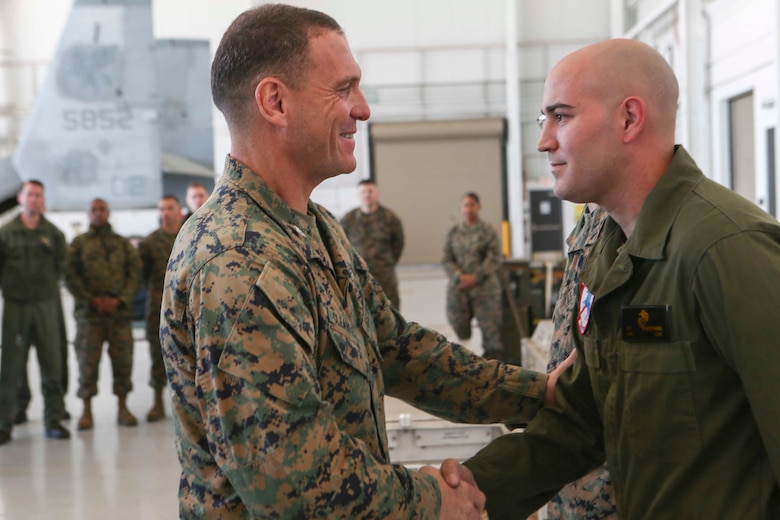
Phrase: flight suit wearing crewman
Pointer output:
(103, 274)
(32, 262)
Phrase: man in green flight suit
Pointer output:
(675, 383)
(32, 262)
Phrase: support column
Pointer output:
(514, 148)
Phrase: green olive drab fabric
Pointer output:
(279, 347)
(32, 261)
(592, 496)
(675, 382)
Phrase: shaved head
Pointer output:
(609, 113)
(613, 70)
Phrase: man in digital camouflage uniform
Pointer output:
(279, 345)
(377, 235)
(471, 260)
(592, 496)
(154, 251)
(103, 275)
(32, 262)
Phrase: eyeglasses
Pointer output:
(541, 120)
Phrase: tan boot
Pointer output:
(85, 421)
(157, 411)
(124, 417)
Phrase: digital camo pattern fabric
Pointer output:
(279, 348)
(154, 251)
(474, 250)
(591, 497)
(103, 263)
(379, 238)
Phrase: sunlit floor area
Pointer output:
(118, 473)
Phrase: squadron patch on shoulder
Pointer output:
(586, 302)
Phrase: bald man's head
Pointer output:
(613, 70)
(609, 114)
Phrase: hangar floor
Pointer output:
(132, 473)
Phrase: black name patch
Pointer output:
(645, 322)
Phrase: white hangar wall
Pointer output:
(457, 59)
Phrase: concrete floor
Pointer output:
(120, 473)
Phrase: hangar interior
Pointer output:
(454, 88)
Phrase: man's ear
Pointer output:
(271, 100)
(634, 113)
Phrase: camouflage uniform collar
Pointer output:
(587, 230)
(16, 223)
(362, 213)
(301, 229)
(475, 226)
(100, 231)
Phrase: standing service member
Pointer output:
(675, 381)
(279, 344)
(155, 250)
(104, 273)
(377, 235)
(32, 263)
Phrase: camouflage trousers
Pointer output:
(484, 302)
(91, 333)
(25, 323)
(157, 377)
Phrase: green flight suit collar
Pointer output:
(17, 223)
(612, 266)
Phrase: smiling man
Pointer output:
(279, 344)
(675, 382)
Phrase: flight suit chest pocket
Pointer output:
(660, 411)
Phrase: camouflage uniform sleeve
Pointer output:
(74, 271)
(147, 259)
(421, 367)
(132, 275)
(273, 432)
(396, 237)
(489, 266)
(448, 259)
(346, 221)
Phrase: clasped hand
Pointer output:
(460, 496)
